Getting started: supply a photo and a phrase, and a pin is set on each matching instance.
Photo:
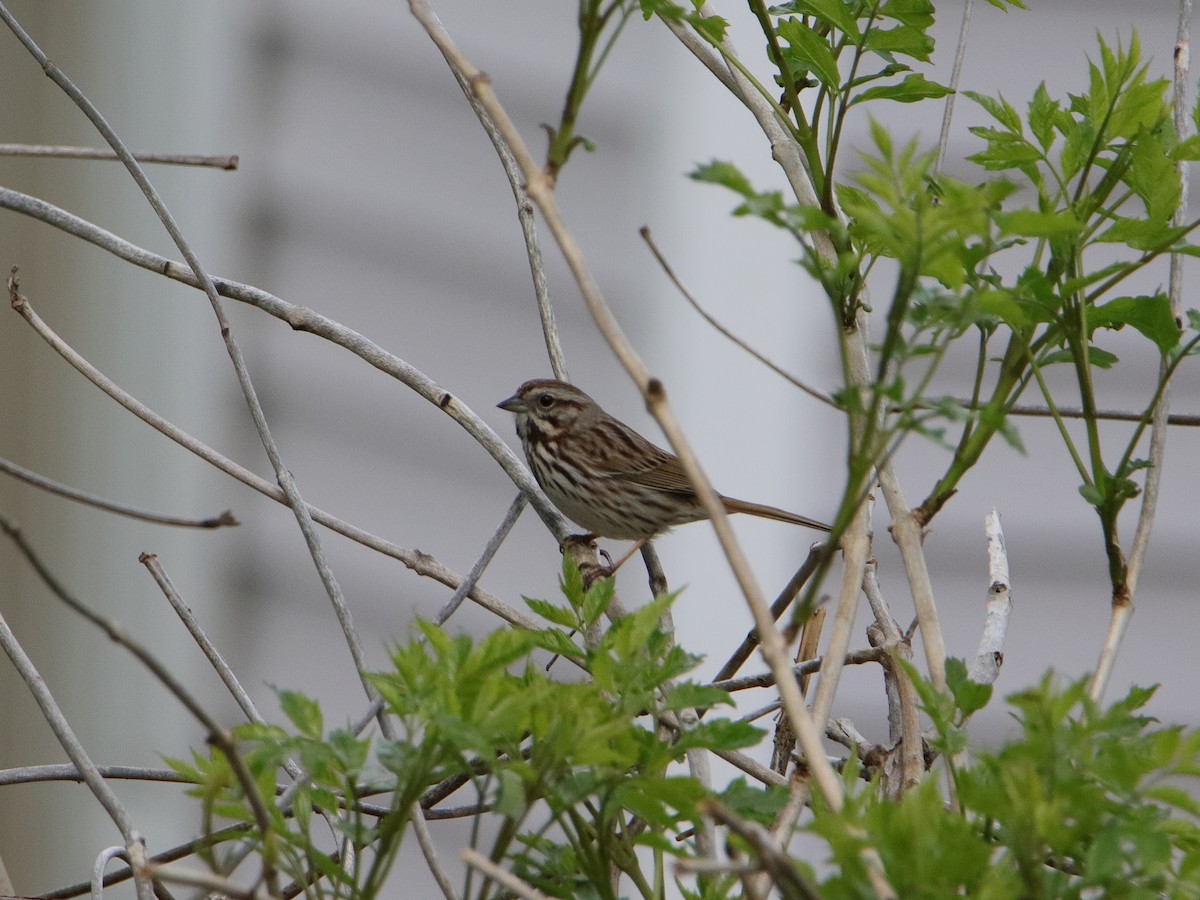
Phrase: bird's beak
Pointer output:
(513, 404)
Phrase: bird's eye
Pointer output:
(545, 401)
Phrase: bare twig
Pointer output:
(799, 670)
(533, 249)
(301, 318)
(985, 667)
(419, 562)
(102, 860)
(739, 656)
(500, 875)
(211, 653)
(219, 521)
(219, 737)
(540, 190)
(912, 758)
(781, 867)
(207, 880)
(722, 330)
(170, 855)
(227, 162)
(54, 717)
(283, 475)
(420, 828)
(489, 550)
(960, 53)
(1113, 415)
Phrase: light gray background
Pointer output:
(368, 192)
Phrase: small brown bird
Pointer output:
(605, 476)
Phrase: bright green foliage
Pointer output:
(575, 775)
(1087, 801)
(578, 772)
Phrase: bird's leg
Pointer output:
(612, 569)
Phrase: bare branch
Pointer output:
(217, 735)
(219, 521)
(283, 475)
(985, 667)
(419, 562)
(725, 332)
(58, 722)
(799, 670)
(226, 162)
(960, 54)
(782, 602)
(301, 318)
(541, 192)
(489, 550)
(501, 876)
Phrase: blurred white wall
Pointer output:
(368, 192)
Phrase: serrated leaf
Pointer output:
(1002, 305)
(303, 712)
(1149, 315)
(999, 109)
(725, 174)
(552, 612)
(554, 641)
(596, 600)
(1031, 223)
(835, 13)
(915, 13)
(912, 89)
(1043, 111)
(696, 696)
(904, 39)
(811, 51)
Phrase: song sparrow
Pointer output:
(604, 475)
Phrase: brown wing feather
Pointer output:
(665, 473)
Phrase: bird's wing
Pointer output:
(653, 467)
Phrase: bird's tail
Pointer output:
(771, 512)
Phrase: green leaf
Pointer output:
(904, 39)
(916, 13)
(725, 174)
(596, 600)
(811, 51)
(552, 612)
(1003, 306)
(1101, 359)
(1149, 315)
(554, 641)
(303, 712)
(696, 696)
(969, 696)
(571, 581)
(1030, 223)
(911, 90)
(510, 794)
(1042, 113)
(999, 109)
(834, 13)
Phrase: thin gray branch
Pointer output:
(725, 332)
(227, 162)
(485, 558)
(282, 475)
(960, 54)
(46, 484)
(301, 318)
(985, 667)
(419, 562)
(61, 727)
